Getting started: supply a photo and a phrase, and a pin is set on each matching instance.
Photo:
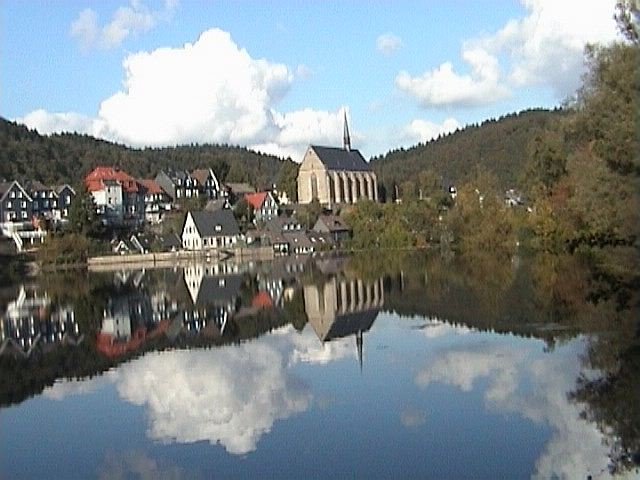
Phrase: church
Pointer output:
(336, 175)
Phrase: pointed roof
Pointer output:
(202, 174)
(256, 199)
(346, 138)
(341, 159)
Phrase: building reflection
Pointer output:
(32, 320)
(214, 291)
(341, 307)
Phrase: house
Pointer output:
(207, 183)
(118, 196)
(156, 201)
(16, 205)
(264, 206)
(333, 225)
(236, 191)
(134, 244)
(208, 230)
(336, 175)
(65, 195)
(44, 199)
(276, 232)
(178, 184)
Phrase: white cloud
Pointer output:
(423, 130)
(234, 394)
(443, 86)
(129, 20)
(521, 381)
(46, 122)
(85, 28)
(388, 43)
(209, 91)
(545, 48)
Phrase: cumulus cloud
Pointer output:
(388, 43)
(521, 381)
(132, 19)
(209, 91)
(443, 86)
(423, 130)
(546, 48)
(235, 394)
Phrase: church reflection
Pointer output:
(341, 307)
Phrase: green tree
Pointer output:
(288, 179)
(83, 217)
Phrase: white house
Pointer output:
(207, 230)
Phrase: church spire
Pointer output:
(346, 139)
(359, 341)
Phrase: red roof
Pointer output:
(262, 300)
(256, 199)
(151, 186)
(94, 180)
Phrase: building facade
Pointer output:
(336, 175)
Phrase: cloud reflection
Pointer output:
(230, 395)
(521, 381)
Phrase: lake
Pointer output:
(374, 366)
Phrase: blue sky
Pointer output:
(277, 76)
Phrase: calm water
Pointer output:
(404, 367)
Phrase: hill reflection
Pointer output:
(64, 327)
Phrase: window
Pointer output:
(24, 204)
(43, 194)
(24, 214)
(12, 194)
(19, 194)
(218, 228)
(9, 204)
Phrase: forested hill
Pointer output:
(499, 146)
(68, 157)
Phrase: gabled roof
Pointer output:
(333, 223)
(256, 199)
(341, 159)
(6, 186)
(201, 175)
(59, 188)
(206, 223)
(151, 186)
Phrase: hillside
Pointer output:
(499, 146)
(66, 158)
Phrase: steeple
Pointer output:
(346, 139)
(359, 341)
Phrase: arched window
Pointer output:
(314, 186)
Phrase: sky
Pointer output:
(278, 76)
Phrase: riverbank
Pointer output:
(169, 259)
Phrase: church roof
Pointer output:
(341, 159)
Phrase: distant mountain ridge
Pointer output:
(66, 158)
(499, 146)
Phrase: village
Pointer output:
(210, 217)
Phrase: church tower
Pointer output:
(346, 138)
